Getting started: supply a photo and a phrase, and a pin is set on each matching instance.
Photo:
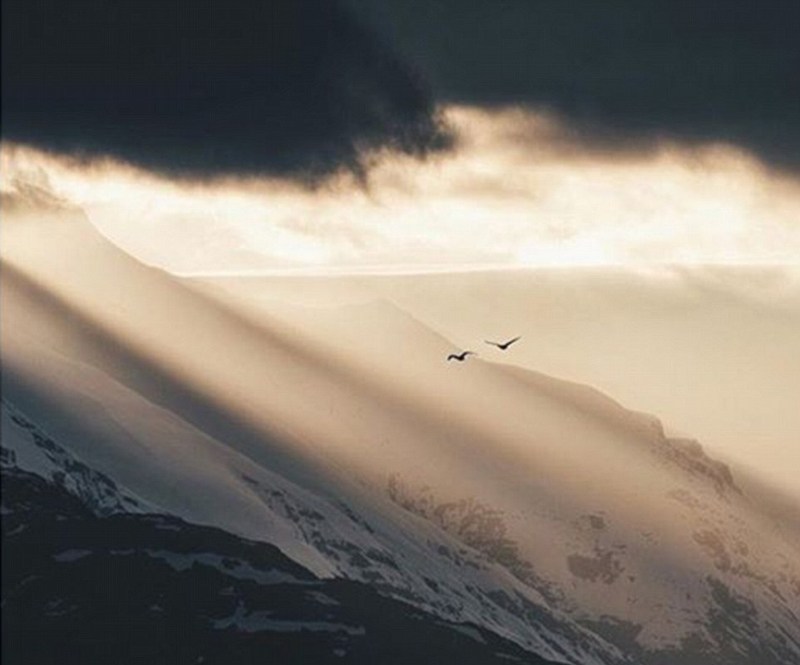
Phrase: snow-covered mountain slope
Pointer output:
(367, 538)
(80, 588)
(665, 534)
(538, 509)
(25, 446)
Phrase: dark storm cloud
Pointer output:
(208, 87)
(623, 72)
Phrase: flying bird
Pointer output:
(503, 345)
(460, 357)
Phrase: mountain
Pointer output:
(687, 342)
(535, 509)
(77, 586)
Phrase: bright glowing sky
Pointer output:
(516, 191)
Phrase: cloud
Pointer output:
(625, 74)
(204, 88)
(513, 194)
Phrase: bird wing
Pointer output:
(492, 343)
(511, 341)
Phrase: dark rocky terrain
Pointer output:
(79, 587)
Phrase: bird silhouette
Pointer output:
(503, 345)
(460, 357)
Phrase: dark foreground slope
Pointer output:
(78, 588)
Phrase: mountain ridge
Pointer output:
(274, 429)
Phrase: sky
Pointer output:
(410, 136)
(212, 136)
